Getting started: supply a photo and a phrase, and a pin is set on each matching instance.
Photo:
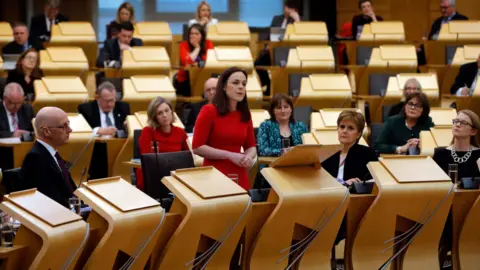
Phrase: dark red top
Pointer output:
(227, 133)
(175, 141)
(186, 60)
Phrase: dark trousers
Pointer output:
(264, 59)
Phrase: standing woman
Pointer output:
(192, 52)
(167, 137)
(125, 13)
(203, 15)
(26, 71)
(225, 126)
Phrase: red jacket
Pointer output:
(186, 60)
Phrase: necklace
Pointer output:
(463, 159)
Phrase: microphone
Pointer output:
(84, 172)
(70, 165)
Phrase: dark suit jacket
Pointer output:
(466, 76)
(18, 76)
(193, 114)
(40, 170)
(38, 26)
(355, 163)
(437, 24)
(15, 48)
(278, 20)
(111, 50)
(361, 20)
(24, 115)
(91, 113)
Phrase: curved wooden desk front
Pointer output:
(64, 92)
(325, 91)
(64, 61)
(53, 235)
(433, 138)
(469, 239)
(310, 206)
(140, 90)
(326, 118)
(154, 34)
(145, 60)
(229, 33)
(414, 201)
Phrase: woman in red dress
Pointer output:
(167, 137)
(225, 126)
(192, 52)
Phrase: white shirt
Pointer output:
(10, 119)
(284, 23)
(103, 120)
(341, 168)
(472, 87)
(48, 23)
(51, 150)
(213, 21)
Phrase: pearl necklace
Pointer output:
(463, 159)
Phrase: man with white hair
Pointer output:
(43, 168)
(449, 13)
(209, 90)
(15, 115)
(41, 25)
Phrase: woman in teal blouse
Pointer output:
(280, 128)
(401, 132)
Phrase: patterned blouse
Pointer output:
(269, 140)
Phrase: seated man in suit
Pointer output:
(43, 168)
(467, 79)
(15, 115)
(105, 115)
(449, 13)
(209, 90)
(113, 48)
(41, 25)
(21, 41)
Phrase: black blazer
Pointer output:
(355, 163)
(91, 113)
(15, 48)
(437, 24)
(18, 76)
(360, 20)
(24, 115)
(40, 170)
(192, 116)
(466, 76)
(38, 26)
(278, 20)
(111, 50)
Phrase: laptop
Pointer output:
(277, 34)
(10, 61)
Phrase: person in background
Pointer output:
(41, 25)
(15, 115)
(449, 13)
(349, 165)
(113, 48)
(160, 135)
(411, 86)
(203, 16)
(400, 132)
(192, 53)
(225, 126)
(209, 90)
(368, 16)
(125, 13)
(279, 128)
(26, 72)
(43, 168)
(467, 79)
(21, 41)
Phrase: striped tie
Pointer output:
(14, 121)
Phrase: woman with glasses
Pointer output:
(411, 86)
(400, 133)
(26, 71)
(463, 149)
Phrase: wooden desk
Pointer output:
(435, 137)
(19, 152)
(145, 60)
(133, 164)
(63, 92)
(383, 31)
(154, 34)
(140, 90)
(327, 119)
(5, 33)
(77, 34)
(460, 30)
(259, 116)
(307, 33)
(64, 61)
(325, 91)
(229, 33)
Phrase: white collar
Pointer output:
(101, 111)
(50, 149)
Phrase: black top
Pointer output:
(38, 26)
(277, 20)
(466, 76)
(396, 109)
(290, 140)
(24, 115)
(361, 20)
(443, 157)
(112, 29)
(15, 48)
(91, 112)
(111, 50)
(194, 110)
(355, 163)
(437, 24)
(18, 76)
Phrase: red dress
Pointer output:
(175, 141)
(186, 60)
(227, 133)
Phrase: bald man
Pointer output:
(15, 115)
(43, 167)
(209, 90)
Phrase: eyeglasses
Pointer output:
(64, 126)
(31, 58)
(413, 105)
(462, 123)
(412, 88)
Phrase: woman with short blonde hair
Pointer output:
(203, 15)
(125, 13)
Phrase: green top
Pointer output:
(396, 133)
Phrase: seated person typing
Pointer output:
(400, 133)
(368, 16)
(160, 135)
(411, 86)
(467, 79)
(43, 168)
(349, 165)
(21, 41)
(15, 115)
(208, 92)
(113, 48)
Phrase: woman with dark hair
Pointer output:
(411, 86)
(192, 52)
(279, 128)
(225, 126)
(27, 70)
(401, 132)
(125, 13)
(368, 16)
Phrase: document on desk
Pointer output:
(10, 140)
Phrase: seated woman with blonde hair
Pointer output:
(203, 15)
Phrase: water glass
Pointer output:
(453, 172)
(285, 144)
(75, 205)
(233, 177)
(7, 232)
(283, 63)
